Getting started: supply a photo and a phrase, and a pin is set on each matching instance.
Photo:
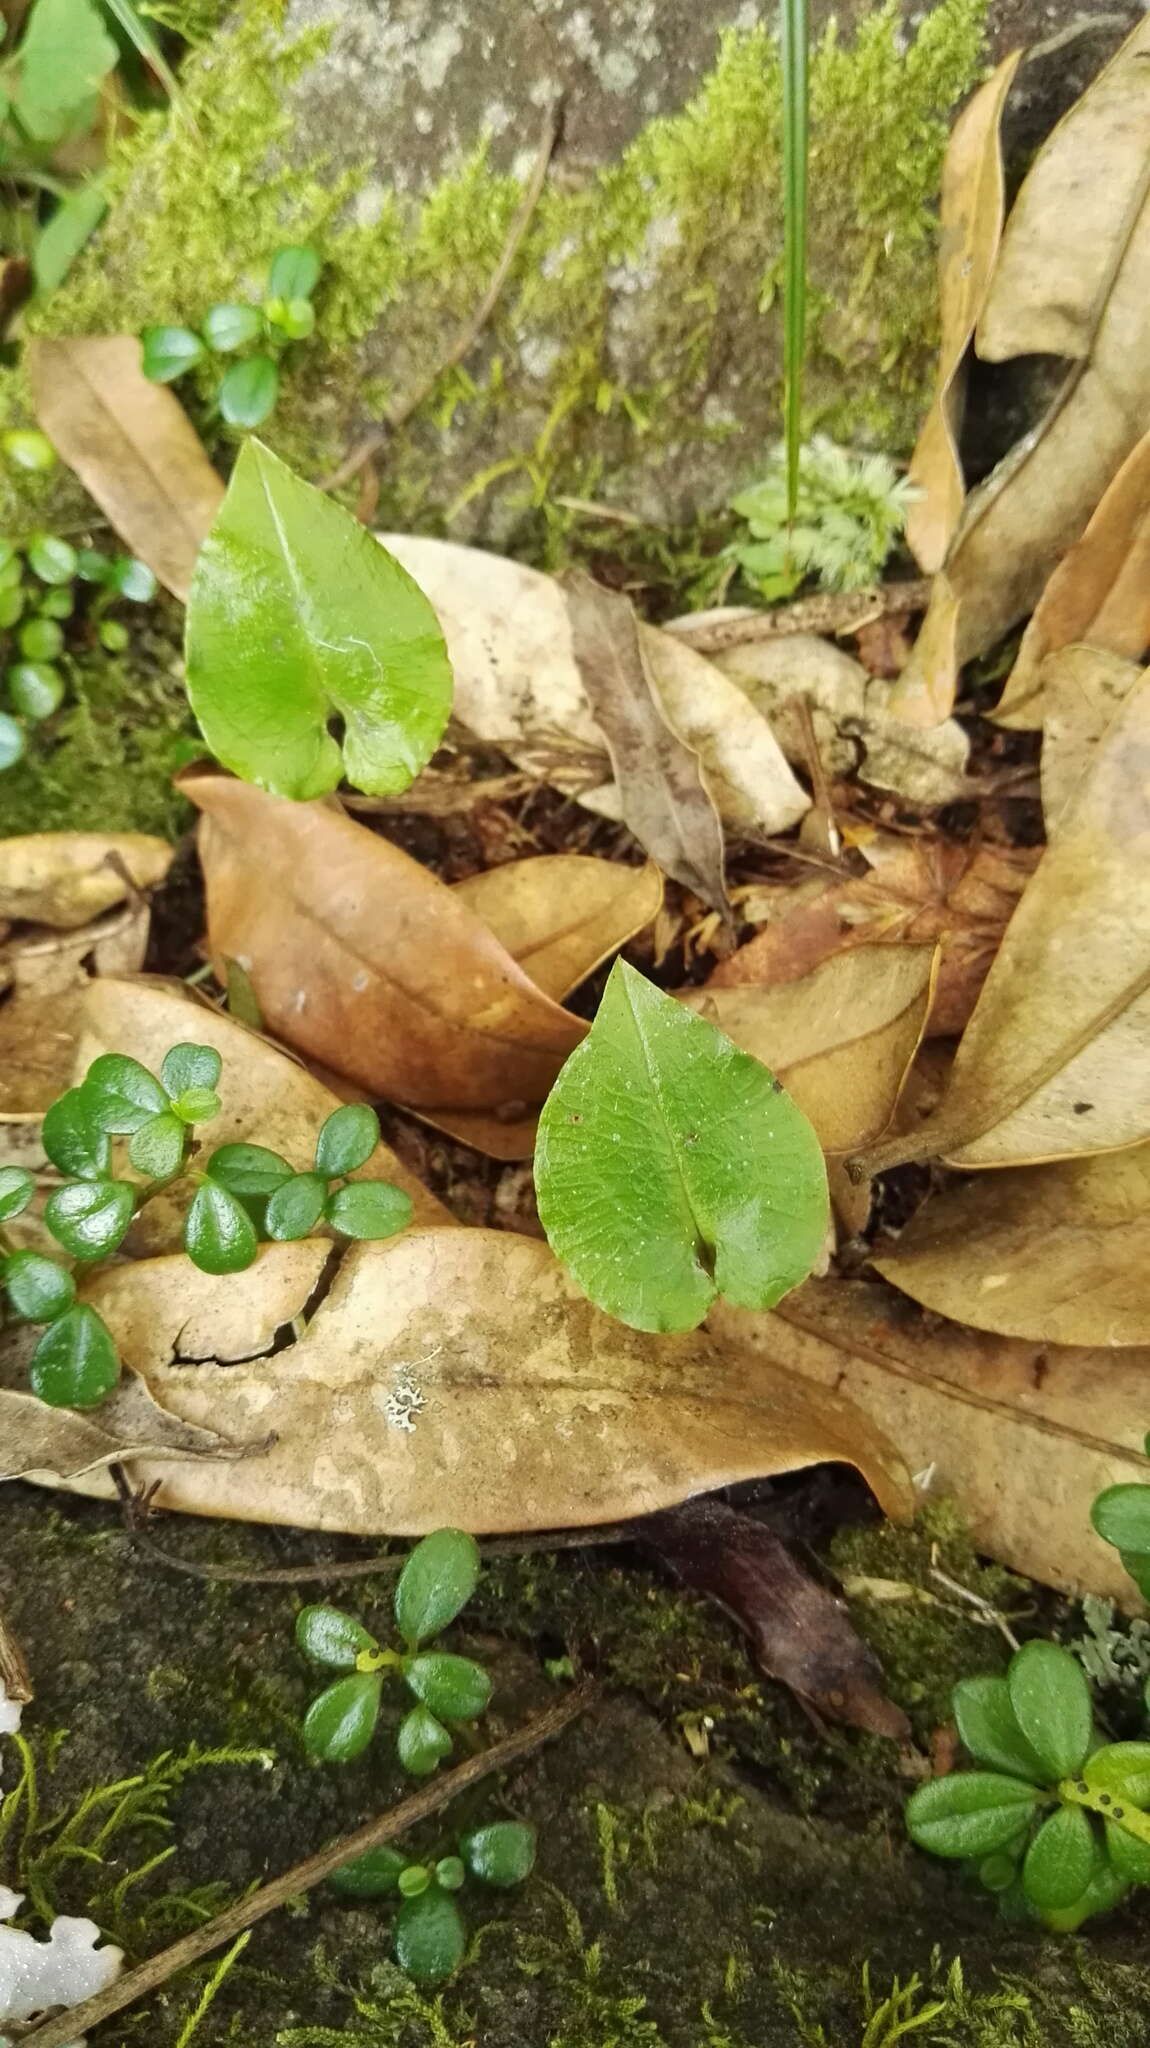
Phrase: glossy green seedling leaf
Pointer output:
(970, 1813)
(11, 741)
(455, 1688)
(196, 1105)
(436, 1582)
(988, 1729)
(373, 1875)
(230, 327)
(421, 1743)
(90, 1217)
(297, 616)
(501, 1854)
(1060, 1860)
(16, 1191)
(295, 1206)
(168, 352)
(249, 392)
(672, 1168)
(65, 52)
(121, 1095)
(39, 640)
(132, 579)
(347, 1139)
(190, 1066)
(74, 1141)
(339, 1725)
(35, 688)
(249, 1169)
(38, 1289)
(219, 1235)
(368, 1209)
(157, 1148)
(450, 1873)
(329, 1636)
(75, 1363)
(294, 272)
(1052, 1706)
(430, 1938)
(51, 559)
(1121, 1515)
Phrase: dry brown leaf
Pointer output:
(560, 915)
(663, 796)
(1099, 593)
(1020, 1435)
(972, 207)
(364, 960)
(919, 892)
(1082, 691)
(1055, 1061)
(131, 444)
(1060, 1254)
(459, 1376)
(517, 685)
(68, 878)
(1068, 225)
(59, 1443)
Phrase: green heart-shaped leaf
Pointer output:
(430, 1938)
(970, 1813)
(121, 1094)
(249, 1169)
(372, 1875)
(500, 1854)
(219, 1235)
(297, 616)
(38, 1289)
(347, 1139)
(75, 1364)
(988, 1729)
(421, 1743)
(157, 1148)
(74, 1141)
(16, 1191)
(294, 272)
(1121, 1515)
(339, 1725)
(368, 1209)
(454, 1688)
(436, 1582)
(671, 1167)
(295, 1207)
(228, 327)
(329, 1636)
(1060, 1860)
(190, 1066)
(197, 1105)
(90, 1217)
(1052, 1706)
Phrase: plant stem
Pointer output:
(794, 42)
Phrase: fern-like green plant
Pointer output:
(848, 515)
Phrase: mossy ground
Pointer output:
(759, 1896)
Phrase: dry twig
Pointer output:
(828, 612)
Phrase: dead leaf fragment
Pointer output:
(1082, 691)
(60, 1443)
(663, 797)
(971, 215)
(68, 878)
(560, 915)
(458, 1376)
(131, 444)
(47, 975)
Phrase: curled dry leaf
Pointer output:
(920, 892)
(1056, 1058)
(1060, 1254)
(971, 214)
(560, 915)
(434, 1347)
(1082, 691)
(1021, 1437)
(517, 685)
(60, 1443)
(131, 444)
(68, 878)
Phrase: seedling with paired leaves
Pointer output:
(435, 1584)
(1054, 1821)
(124, 1133)
(256, 335)
(429, 1934)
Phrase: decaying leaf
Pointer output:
(46, 975)
(366, 961)
(801, 1633)
(560, 915)
(1059, 1254)
(131, 444)
(518, 686)
(1099, 593)
(1082, 691)
(1021, 1436)
(61, 1443)
(971, 215)
(663, 795)
(1056, 1058)
(440, 1346)
(919, 892)
(68, 878)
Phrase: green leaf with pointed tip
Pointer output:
(329, 1636)
(249, 392)
(16, 1191)
(73, 1139)
(368, 1209)
(341, 1722)
(75, 1364)
(421, 1743)
(436, 1582)
(219, 1235)
(228, 327)
(1121, 1515)
(430, 1938)
(347, 1139)
(454, 1688)
(1121, 1769)
(190, 1066)
(157, 1148)
(1060, 1860)
(249, 1169)
(294, 272)
(1052, 1706)
(500, 1854)
(121, 1094)
(297, 616)
(970, 1813)
(988, 1729)
(38, 1288)
(167, 352)
(295, 1206)
(1128, 1856)
(371, 1876)
(90, 1217)
(671, 1167)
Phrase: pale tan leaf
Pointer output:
(1068, 225)
(59, 1443)
(561, 915)
(68, 878)
(1099, 593)
(1060, 1254)
(131, 444)
(459, 1376)
(971, 214)
(1082, 691)
(1021, 1435)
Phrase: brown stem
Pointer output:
(303, 1877)
(828, 611)
(387, 1565)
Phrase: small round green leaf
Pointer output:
(11, 606)
(219, 1235)
(16, 1191)
(121, 1094)
(1060, 1860)
(35, 688)
(347, 1139)
(249, 1169)
(113, 635)
(373, 1875)
(1128, 1856)
(1106, 1889)
(157, 1148)
(1138, 1565)
(57, 604)
(197, 1105)
(450, 1873)
(168, 352)
(368, 1209)
(132, 579)
(672, 1168)
(73, 1139)
(998, 1872)
(24, 448)
(1052, 1706)
(298, 319)
(249, 392)
(1121, 1515)
(422, 1743)
(436, 1582)
(38, 1289)
(415, 1879)
(329, 1636)
(11, 566)
(970, 1813)
(1123, 1770)
(90, 1217)
(190, 1066)
(341, 1722)
(51, 559)
(11, 741)
(230, 327)
(40, 640)
(92, 566)
(430, 1938)
(294, 273)
(75, 1363)
(455, 1688)
(296, 1206)
(500, 1854)
(988, 1729)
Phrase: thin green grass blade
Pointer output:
(794, 42)
(138, 32)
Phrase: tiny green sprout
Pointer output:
(1052, 1822)
(430, 1935)
(27, 449)
(248, 388)
(297, 1201)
